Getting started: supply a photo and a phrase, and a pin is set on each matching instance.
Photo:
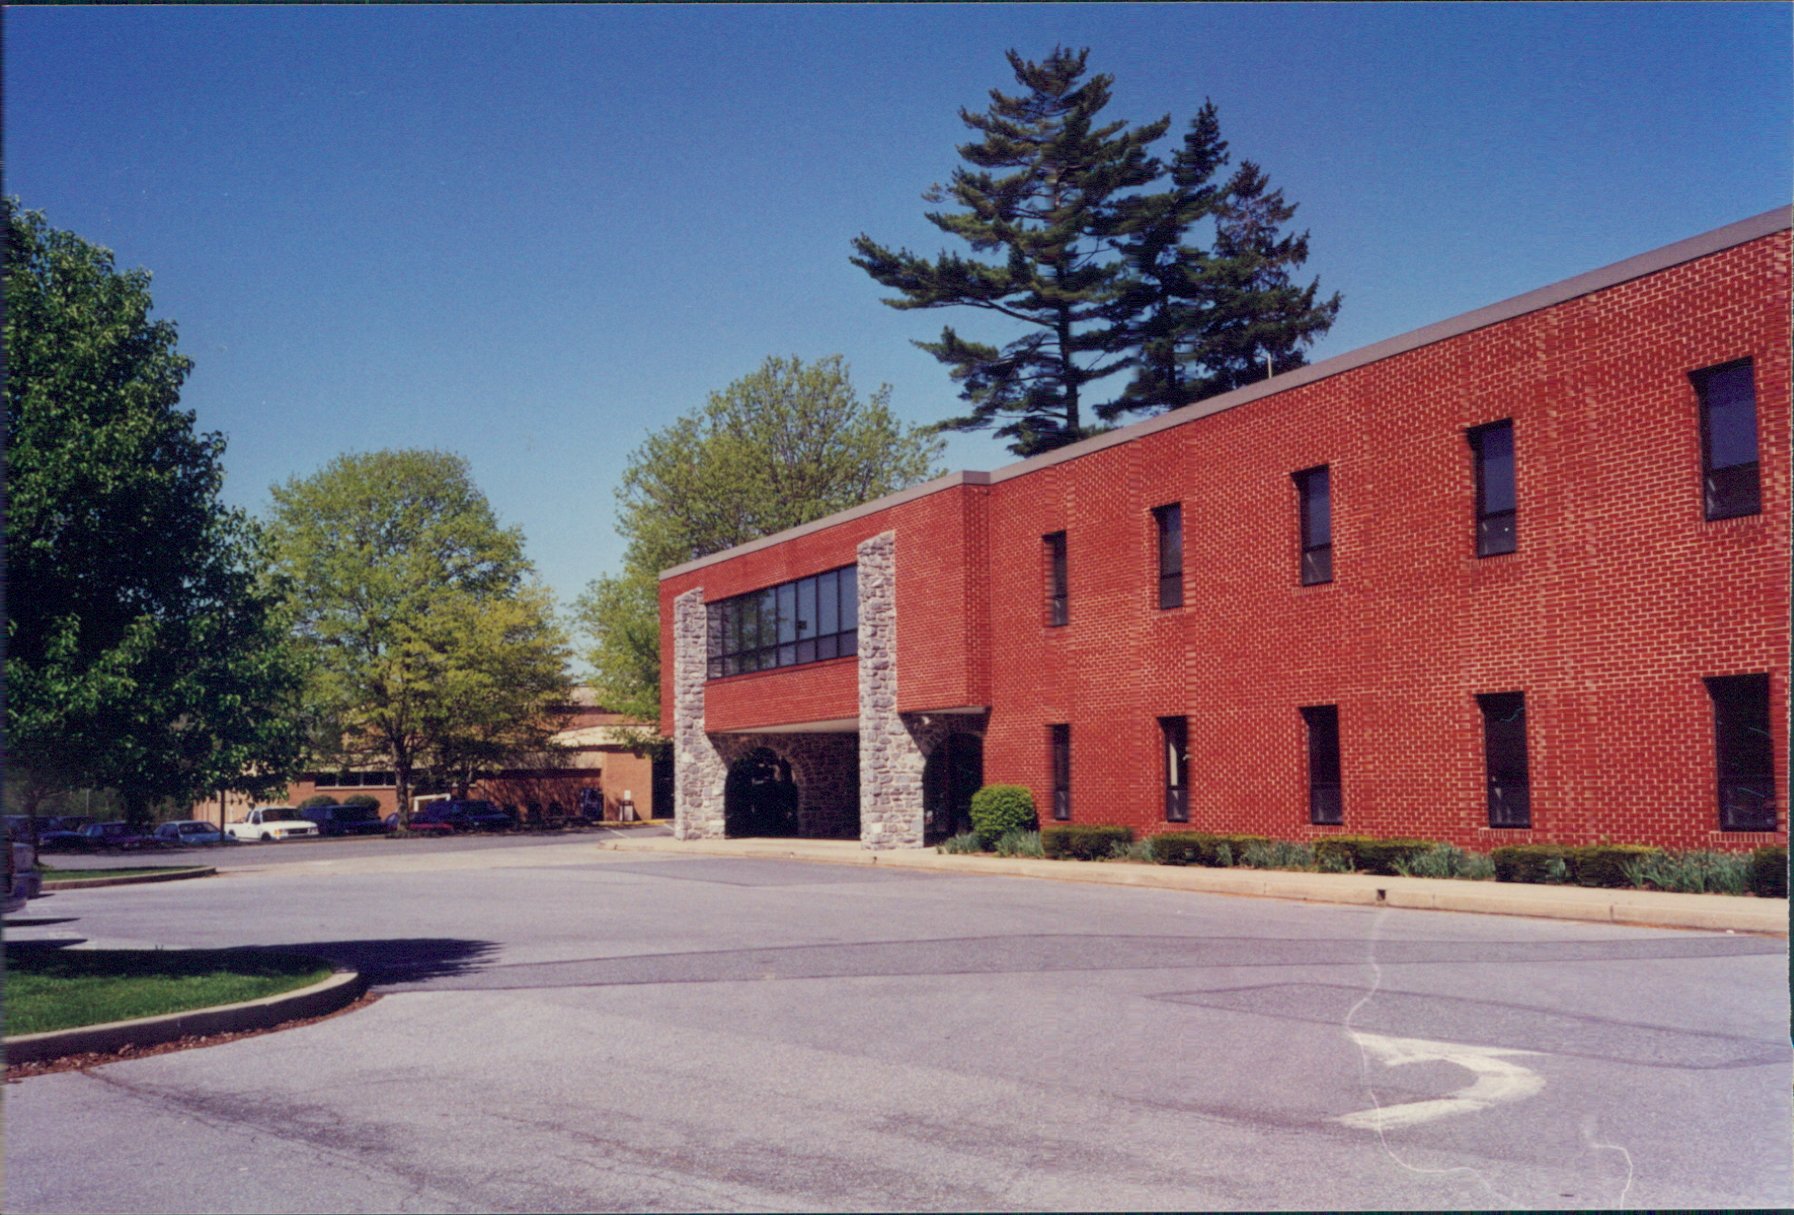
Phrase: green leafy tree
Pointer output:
(431, 647)
(1044, 196)
(1203, 319)
(786, 444)
(142, 654)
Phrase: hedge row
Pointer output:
(1202, 848)
(1083, 843)
(1769, 872)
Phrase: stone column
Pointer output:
(699, 769)
(890, 761)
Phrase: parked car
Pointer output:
(23, 882)
(117, 837)
(191, 832)
(344, 820)
(484, 816)
(271, 823)
(424, 822)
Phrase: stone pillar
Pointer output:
(699, 769)
(890, 760)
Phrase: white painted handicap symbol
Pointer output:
(1497, 1080)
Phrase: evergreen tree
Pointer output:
(1206, 320)
(1044, 192)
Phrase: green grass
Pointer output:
(49, 988)
(76, 875)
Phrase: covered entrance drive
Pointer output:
(953, 772)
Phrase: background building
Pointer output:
(1520, 576)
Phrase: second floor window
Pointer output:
(1745, 752)
(1492, 448)
(1176, 735)
(1168, 522)
(1729, 440)
(1314, 489)
(1325, 803)
(1059, 741)
(1504, 759)
(809, 620)
(1053, 550)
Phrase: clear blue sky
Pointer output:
(530, 235)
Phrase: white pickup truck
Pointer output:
(270, 823)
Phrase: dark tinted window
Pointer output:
(1314, 488)
(1745, 752)
(1175, 734)
(1504, 759)
(1325, 803)
(1169, 524)
(1054, 548)
(1493, 448)
(1059, 738)
(1729, 440)
(785, 625)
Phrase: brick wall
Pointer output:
(1620, 598)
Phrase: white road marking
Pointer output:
(1497, 1080)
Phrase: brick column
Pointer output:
(890, 761)
(699, 769)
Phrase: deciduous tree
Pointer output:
(141, 653)
(430, 644)
(788, 443)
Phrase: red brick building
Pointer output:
(1520, 576)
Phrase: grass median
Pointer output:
(51, 876)
(49, 988)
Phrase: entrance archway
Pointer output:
(953, 771)
(759, 797)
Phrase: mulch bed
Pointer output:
(87, 1059)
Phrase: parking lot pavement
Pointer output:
(628, 1031)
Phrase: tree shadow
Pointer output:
(398, 961)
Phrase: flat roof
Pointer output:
(1776, 219)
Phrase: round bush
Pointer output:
(362, 799)
(1000, 808)
(321, 799)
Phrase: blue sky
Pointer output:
(532, 234)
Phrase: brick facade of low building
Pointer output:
(1618, 618)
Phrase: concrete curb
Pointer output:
(1649, 908)
(339, 989)
(173, 875)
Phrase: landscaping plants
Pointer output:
(1017, 842)
(1000, 808)
(1083, 842)
(1769, 872)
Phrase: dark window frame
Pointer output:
(1059, 760)
(1326, 794)
(743, 637)
(1058, 578)
(1317, 554)
(1735, 490)
(1174, 745)
(1497, 531)
(1507, 779)
(1743, 752)
(1168, 528)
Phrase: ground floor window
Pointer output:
(1745, 752)
(1325, 805)
(1175, 734)
(1504, 759)
(1059, 740)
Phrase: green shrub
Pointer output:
(362, 799)
(1769, 872)
(1137, 850)
(312, 803)
(1700, 872)
(1544, 864)
(1000, 808)
(1339, 853)
(1017, 842)
(1446, 861)
(1367, 854)
(1605, 864)
(965, 842)
(1182, 848)
(1277, 854)
(1083, 842)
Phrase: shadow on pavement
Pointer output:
(404, 960)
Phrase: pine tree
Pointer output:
(1045, 191)
(1206, 320)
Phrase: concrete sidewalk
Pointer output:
(1705, 912)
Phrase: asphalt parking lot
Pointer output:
(564, 1028)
